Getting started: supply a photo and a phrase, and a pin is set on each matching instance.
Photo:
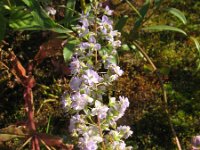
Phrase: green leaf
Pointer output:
(21, 19)
(69, 11)
(6, 137)
(61, 30)
(38, 19)
(143, 11)
(39, 14)
(164, 28)
(29, 3)
(69, 49)
(11, 132)
(2, 26)
(121, 23)
(178, 14)
(196, 43)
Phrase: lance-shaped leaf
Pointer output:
(133, 8)
(196, 43)
(121, 23)
(178, 14)
(11, 132)
(69, 11)
(164, 28)
(143, 11)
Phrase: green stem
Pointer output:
(83, 6)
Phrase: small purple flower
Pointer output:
(85, 143)
(106, 20)
(124, 103)
(100, 110)
(108, 11)
(125, 131)
(92, 44)
(106, 25)
(74, 121)
(75, 83)
(196, 142)
(119, 145)
(118, 110)
(91, 77)
(84, 20)
(116, 44)
(84, 45)
(117, 70)
(79, 101)
(75, 66)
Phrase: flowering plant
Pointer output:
(94, 68)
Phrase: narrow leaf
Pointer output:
(28, 2)
(13, 129)
(6, 137)
(178, 14)
(11, 132)
(196, 43)
(164, 28)
(61, 30)
(143, 11)
(39, 14)
(121, 23)
(134, 9)
(21, 19)
(69, 11)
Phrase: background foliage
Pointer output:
(33, 35)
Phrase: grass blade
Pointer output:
(178, 14)
(164, 28)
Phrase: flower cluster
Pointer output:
(94, 68)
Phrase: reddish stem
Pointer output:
(28, 97)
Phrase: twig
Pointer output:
(27, 141)
(45, 144)
(164, 93)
